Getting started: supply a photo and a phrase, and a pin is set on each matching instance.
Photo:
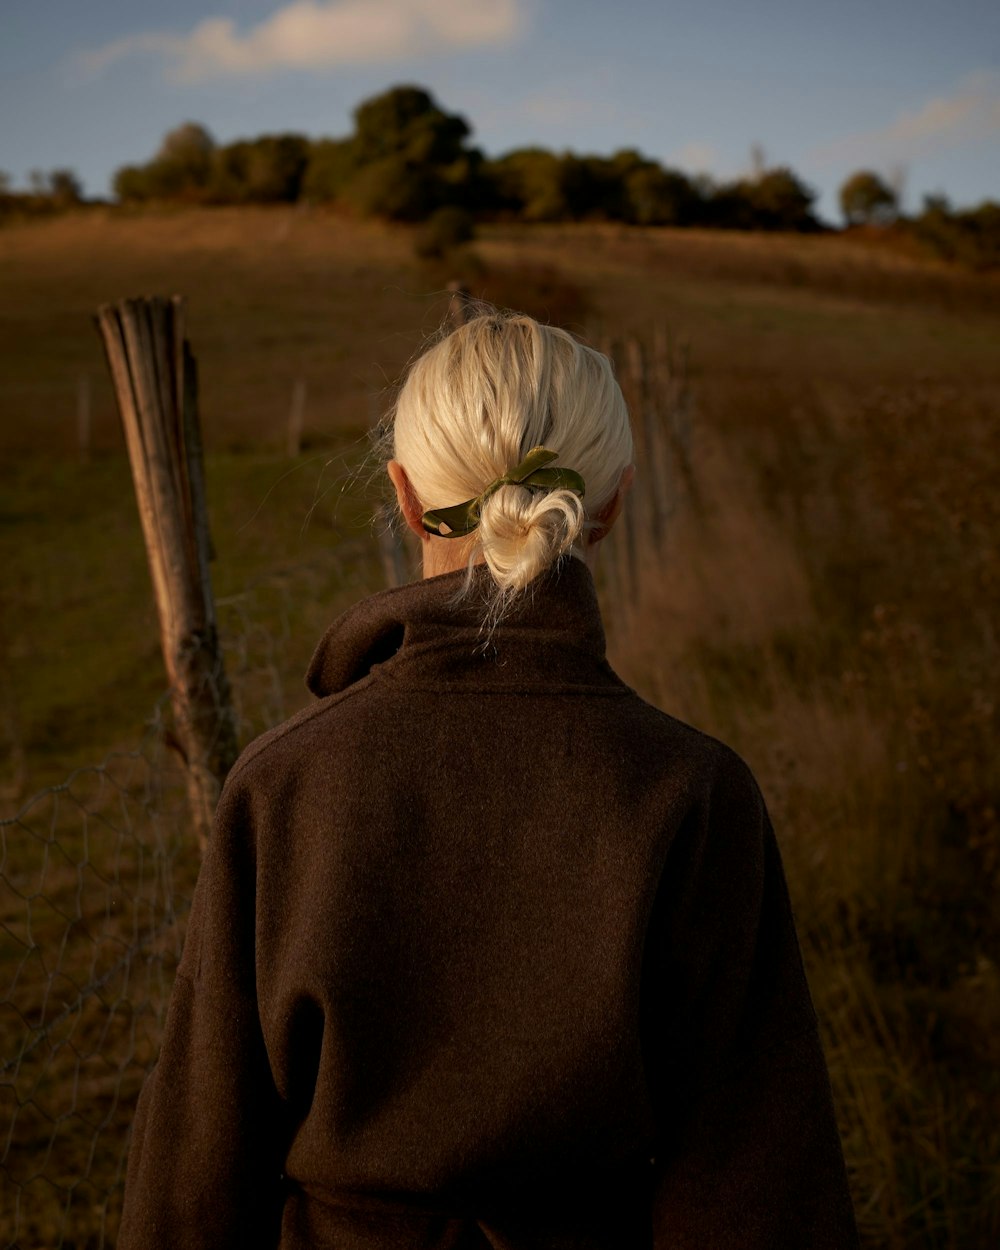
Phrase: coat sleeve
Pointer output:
(748, 1153)
(204, 1167)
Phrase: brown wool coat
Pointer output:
(487, 951)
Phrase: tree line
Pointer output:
(409, 160)
(407, 157)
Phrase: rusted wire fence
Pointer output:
(96, 874)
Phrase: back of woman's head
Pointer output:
(477, 402)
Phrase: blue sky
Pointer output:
(907, 87)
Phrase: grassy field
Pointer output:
(827, 604)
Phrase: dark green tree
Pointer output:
(183, 164)
(181, 169)
(655, 196)
(131, 184)
(65, 188)
(407, 122)
(590, 187)
(331, 166)
(529, 183)
(781, 201)
(865, 199)
(61, 186)
(776, 199)
(410, 157)
(395, 188)
(269, 169)
(968, 236)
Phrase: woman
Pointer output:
(487, 951)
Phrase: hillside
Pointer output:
(828, 605)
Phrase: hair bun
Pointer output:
(524, 531)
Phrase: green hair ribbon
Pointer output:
(462, 518)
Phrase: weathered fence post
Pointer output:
(390, 548)
(296, 418)
(393, 553)
(460, 304)
(155, 381)
(654, 382)
(670, 363)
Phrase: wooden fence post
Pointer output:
(670, 364)
(392, 551)
(390, 548)
(296, 418)
(460, 304)
(654, 382)
(155, 381)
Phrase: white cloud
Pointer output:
(970, 112)
(318, 34)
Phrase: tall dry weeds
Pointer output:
(829, 610)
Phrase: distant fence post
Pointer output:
(155, 381)
(654, 382)
(296, 418)
(392, 552)
(460, 304)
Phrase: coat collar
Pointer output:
(553, 635)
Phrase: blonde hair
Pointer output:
(473, 405)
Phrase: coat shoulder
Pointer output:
(718, 764)
(263, 756)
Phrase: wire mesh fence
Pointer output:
(95, 880)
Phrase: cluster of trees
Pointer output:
(47, 192)
(866, 199)
(969, 236)
(407, 158)
(410, 160)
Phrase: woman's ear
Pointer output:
(609, 513)
(410, 506)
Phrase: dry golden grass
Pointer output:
(871, 723)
